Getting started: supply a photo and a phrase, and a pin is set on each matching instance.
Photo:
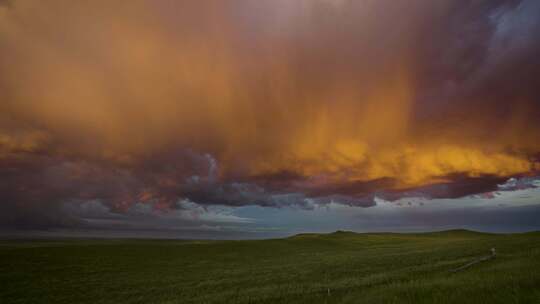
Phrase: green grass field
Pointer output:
(341, 267)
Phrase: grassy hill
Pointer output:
(341, 267)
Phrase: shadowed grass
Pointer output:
(341, 267)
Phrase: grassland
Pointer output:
(341, 267)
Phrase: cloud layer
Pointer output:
(272, 103)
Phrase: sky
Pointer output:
(255, 119)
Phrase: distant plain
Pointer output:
(342, 267)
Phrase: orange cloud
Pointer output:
(318, 88)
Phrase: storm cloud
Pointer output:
(273, 103)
